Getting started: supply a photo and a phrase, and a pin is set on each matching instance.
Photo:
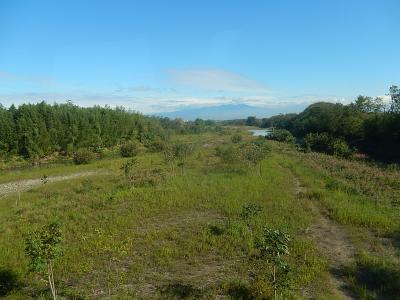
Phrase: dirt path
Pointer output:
(24, 185)
(332, 240)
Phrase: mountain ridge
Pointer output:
(231, 111)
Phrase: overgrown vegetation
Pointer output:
(83, 156)
(282, 135)
(340, 129)
(40, 130)
(322, 142)
(247, 153)
(130, 149)
(232, 223)
(192, 226)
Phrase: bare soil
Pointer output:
(333, 242)
(25, 185)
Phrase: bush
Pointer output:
(282, 135)
(273, 245)
(130, 149)
(341, 149)
(236, 138)
(250, 210)
(319, 142)
(156, 145)
(228, 155)
(250, 153)
(177, 152)
(322, 142)
(182, 151)
(128, 167)
(83, 156)
(254, 152)
(42, 247)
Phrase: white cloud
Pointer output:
(386, 98)
(160, 103)
(146, 89)
(212, 87)
(145, 104)
(217, 80)
(308, 99)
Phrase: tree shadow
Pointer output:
(239, 290)
(395, 238)
(216, 229)
(340, 274)
(379, 278)
(8, 282)
(180, 291)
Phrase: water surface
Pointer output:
(260, 132)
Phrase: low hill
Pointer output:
(230, 111)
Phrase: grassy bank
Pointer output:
(180, 231)
(365, 199)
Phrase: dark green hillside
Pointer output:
(368, 125)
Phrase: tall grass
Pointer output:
(185, 235)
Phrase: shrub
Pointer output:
(130, 149)
(182, 151)
(140, 177)
(83, 156)
(341, 149)
(274, 246)
(250, 210)
(322, 142)
(177, 152)
(250, 153)
(156, 145)
(254, 152)
(228, 155)
(282, 135)
(236, 138)
(128, 167)
(43, 247)
(319, 142)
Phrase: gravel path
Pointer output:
(24, 185)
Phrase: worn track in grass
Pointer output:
(24, 185)
(332, 240)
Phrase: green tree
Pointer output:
(274, 246)
(368, 104)
(177, 153)
(252, 121)
(130, 149)
(43, 247)
(254, 152)
(129, 167)
(282, 135)
(394, 92)
(83, 156)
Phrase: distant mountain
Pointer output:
(231, 111)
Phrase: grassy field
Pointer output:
(180, 232)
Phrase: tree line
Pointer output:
(367, 125)
(37, 130)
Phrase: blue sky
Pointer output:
(156, 56)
